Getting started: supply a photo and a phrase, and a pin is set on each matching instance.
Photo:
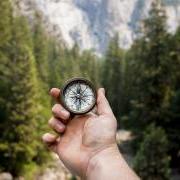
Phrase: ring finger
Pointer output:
(57, 125)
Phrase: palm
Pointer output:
(84, 136)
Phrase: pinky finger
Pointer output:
(50, 140)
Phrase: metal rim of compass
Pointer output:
(74, 81)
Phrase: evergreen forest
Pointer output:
(142, 85)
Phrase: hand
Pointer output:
(83, 138)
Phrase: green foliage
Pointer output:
(112, 78)
(90, 67)
(152, 161)
(71, 63)
(20, 103)
(32, 62)
(144, 87)
(40, 47)
(154, 73)
(5, 22)
(172, 125)
(141, 83)
(152, 82)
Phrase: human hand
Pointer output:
(83, 138)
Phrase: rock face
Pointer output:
(91, 23)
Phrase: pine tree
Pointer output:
(40, 47)
(74, 62)
(172, 125)
(154, 74)
(5, 22)
(112, 75)
(90, 66)
(5, 36)
(152, 161)
(56, 61)
(41, 55)
(19, 140)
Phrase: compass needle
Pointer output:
(72, 91)
(84, 90)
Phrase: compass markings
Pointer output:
(79, 96)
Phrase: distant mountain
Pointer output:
(91, 23)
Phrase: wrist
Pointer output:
(99, 161)
(109, 164)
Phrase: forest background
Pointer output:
(142, 86)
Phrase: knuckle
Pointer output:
(65, 114)
(54, 108)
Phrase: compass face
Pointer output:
(79, 96)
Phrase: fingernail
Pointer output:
(47, 137)
(50, 91)
(66, 113)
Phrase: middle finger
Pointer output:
(59, 112)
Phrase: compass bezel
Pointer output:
(74, 81)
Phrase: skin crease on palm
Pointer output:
(82, 137)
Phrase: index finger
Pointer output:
(58, 109)
(55, 93)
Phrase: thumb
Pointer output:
(103, 106)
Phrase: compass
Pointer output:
(78, 96)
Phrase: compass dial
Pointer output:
(79, 96)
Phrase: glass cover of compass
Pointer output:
(78, 96)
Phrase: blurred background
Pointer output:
(130, 47)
